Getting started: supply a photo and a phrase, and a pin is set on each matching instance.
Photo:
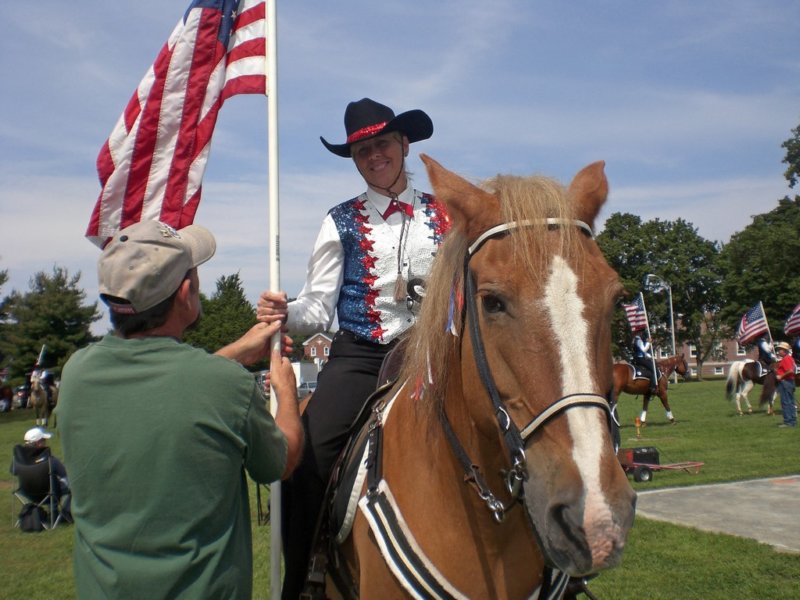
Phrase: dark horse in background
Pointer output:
(626, 380)
(743, 375)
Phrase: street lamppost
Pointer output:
(655, 284)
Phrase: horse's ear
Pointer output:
(471, 209)
(589, 190)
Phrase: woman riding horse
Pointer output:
(625, 380)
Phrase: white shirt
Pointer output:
(315, 307)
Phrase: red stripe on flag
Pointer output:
(207, 53)
(254, 47)
(251, 15)
(189, 209)
(145, 143)
(246, 84)
(134, 107)
(105, 163)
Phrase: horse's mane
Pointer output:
(430, 346)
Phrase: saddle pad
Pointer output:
(636, 373)
(350, 480)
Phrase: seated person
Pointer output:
(35, 444)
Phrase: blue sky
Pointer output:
(687, 102)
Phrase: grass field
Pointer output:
(661, 561)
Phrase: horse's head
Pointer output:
(36, 382)
(543, 298)
(681, 366)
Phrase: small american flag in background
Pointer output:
(152, 165)
(792, 326)
(752, 325)
(637, 317)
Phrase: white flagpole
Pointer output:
(769, 333)
(40, 359)
(274, 268)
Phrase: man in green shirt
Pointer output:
(158, 435)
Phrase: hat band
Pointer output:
(365, 132)
(122, 309)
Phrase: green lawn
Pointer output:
(661, 560)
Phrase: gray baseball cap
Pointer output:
(145, 263)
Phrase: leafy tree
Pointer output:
(52, 313)
(792, 157)
(758, 265)
(674, 252)
(227, 315)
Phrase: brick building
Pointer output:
(317, 348)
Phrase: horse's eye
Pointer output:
(493, 304)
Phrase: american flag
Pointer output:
(792, 326)
(752, 325)
(152, 165)
(637, 316)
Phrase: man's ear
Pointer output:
(185, 290)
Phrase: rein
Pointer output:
(513, 437)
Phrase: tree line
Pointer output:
(712, 286)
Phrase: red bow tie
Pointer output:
(398, 206)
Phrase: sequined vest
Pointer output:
(367, 305)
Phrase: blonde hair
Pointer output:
(430, 349)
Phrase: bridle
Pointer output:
(514, 437)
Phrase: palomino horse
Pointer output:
(38, 399)
(625, 381)
(742, 376)
(487, 466)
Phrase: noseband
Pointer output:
(514, 438)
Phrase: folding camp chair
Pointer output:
(37, 485)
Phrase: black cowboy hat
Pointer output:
(366, 118)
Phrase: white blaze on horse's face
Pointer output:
(604, 538)
(566, 310)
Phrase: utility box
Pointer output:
(647, 455)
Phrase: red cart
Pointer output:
(641, 462)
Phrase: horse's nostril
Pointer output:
(570, 522)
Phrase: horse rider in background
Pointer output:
(765, 354)
(46, 380)
(643, 359)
